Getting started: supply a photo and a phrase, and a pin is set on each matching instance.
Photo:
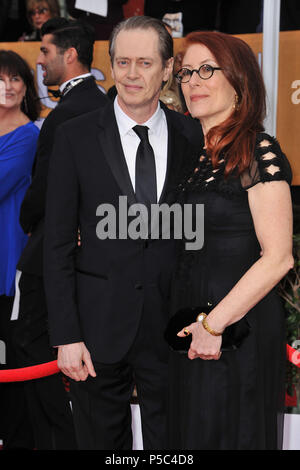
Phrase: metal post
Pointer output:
(271, 29)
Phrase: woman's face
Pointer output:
(13, 91)
(39, 14)
(212, 100)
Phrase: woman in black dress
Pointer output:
(234, 399)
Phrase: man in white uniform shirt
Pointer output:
(108, 298)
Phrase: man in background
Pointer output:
(103, 25)
(66, 54)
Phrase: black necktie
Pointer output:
(145, 172)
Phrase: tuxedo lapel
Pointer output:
(174, 146)
(169, 161)
(111, 148)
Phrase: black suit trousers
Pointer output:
(15, 424)
(47, 398)
(101, 405)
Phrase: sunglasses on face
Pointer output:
(38, 11)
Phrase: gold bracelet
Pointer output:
(210, 330)
(201, 316)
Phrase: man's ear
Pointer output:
(112, 72)
(71, 55)
(168, 69)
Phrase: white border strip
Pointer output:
(271, 28)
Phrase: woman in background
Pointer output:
(19, 108)
(38, 12)
(231, 400)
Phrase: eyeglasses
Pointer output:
(205, 72)
(38, 11)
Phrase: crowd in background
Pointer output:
(22, 20)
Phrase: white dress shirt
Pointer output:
(158, 138)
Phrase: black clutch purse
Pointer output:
(232, 336)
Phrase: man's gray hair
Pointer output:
(165, 40)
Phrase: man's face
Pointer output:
(52, 62)
(138, 70)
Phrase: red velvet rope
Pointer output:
(50, 368)
(29, 373)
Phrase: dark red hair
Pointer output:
(235, 137)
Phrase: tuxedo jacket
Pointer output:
(83, 98)
(96, 291)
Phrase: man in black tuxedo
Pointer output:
(66, 55)
(108, 298)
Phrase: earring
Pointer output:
(235, 105)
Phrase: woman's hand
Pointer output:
(204, 345)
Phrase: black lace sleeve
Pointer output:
(269, 163)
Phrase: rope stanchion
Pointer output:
(29, 373)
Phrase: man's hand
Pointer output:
(74, 360)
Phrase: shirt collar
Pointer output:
(63, 85)
(125, 123)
